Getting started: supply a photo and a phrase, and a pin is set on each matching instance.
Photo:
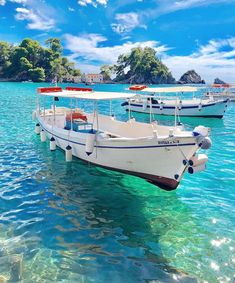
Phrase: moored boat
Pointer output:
(159, 154)
(221, 91)
(165, 105)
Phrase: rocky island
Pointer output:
(190, 77)
(29, 61)
(141, 66)
(219, 81)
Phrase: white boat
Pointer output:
(159, 154)
(221, 91)
(160, 105)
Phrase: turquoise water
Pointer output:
(63, 222)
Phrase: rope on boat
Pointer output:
(182, 152)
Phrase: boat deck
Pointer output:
(108, 125)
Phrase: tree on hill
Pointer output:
(142, 66)
(37, 74)
(106, 71)
(31, 61)
(6, 51)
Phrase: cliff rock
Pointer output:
(219, 81)
(191, 77)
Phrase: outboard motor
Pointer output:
(201, 135)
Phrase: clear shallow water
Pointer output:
(63, 222)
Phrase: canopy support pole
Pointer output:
(44, 108)
(110, 107)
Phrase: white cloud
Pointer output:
(36, 20)
(89, 47)
(126, 22)
(158, 8)
(92, 2)
(19, 1)
(88, 68)
(215, 59)
(71, 9)
(169, 6)
(3, 2)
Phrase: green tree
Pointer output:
(55, 45)
(106, 71)
(37, 74)
(30, 60)
(6, 51)
(34, 50)
(142, 66)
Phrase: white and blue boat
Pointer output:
(159, 154)
(166, 105)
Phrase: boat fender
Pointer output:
(43, 136)
(90, 142)
(199, 168)
(200, 107)
(144, 104)
(52, 144)
(33, 115)
(180, 105)
(124, 103)
(161, 105)
(68, 153)
(37, 129)
(206, 143)
(197, 160)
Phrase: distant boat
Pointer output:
(86, 83)
(165, 105)
(221, 91)
(159, 154)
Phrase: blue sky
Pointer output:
(187, 34)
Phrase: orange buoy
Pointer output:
(137, 87)
(76, 115)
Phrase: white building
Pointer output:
(92, 78)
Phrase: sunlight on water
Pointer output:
(73, 222)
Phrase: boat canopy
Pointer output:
(171, 89)
(91, 95)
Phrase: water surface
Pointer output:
(73, 222)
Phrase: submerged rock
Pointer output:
(3, 279)
(191, 77)
(219, 81)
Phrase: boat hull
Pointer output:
(215, 109)
(159, 162)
